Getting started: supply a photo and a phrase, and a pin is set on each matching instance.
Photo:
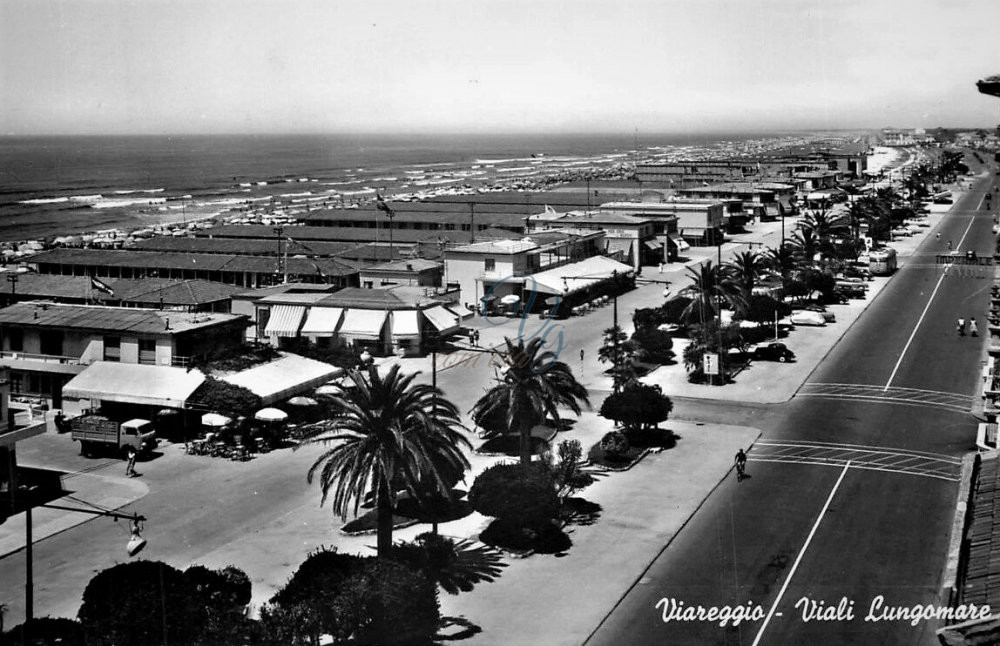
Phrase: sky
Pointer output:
(493, 66)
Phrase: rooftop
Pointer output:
(289, 288)
(507, 246)
(109, 319)
(412, 264)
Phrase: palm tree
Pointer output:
(743, 274)
(804, 245)
(391, 435)
(708, 286)
(781, 259)
(533, 385)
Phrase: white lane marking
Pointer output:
(798, 559)
(915, 328)
(818, 462)
(886, 449)
(873, 399)
(876, 452)
(972, 221)
(917, 390)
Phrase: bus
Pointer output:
(882, 262)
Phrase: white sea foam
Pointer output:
(45, 200)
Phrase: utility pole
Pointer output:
(278, 231)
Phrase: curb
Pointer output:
(663, 549)
(948, 593)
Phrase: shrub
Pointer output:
(400, 605)
(614, 444)
(653, 345)
(45, 630)
(762, 308)
(142, 602)
(516, 493)
(227, 589)
(638, 406)
(226, 398)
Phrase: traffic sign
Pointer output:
(710, 363)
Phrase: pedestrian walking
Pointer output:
(961, 327)
(973, 327)
(661, 267)
(475, 338)
(131, 453)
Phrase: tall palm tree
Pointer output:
(533, 386)
(708, 286)
(781, 259)
(391, 435)
(743, 274)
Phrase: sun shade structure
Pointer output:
(322, 321)
(285, 377)
(270, 415)
(405, 325)
(444, 320)
(214, 420)
(363, 324)
(285, 320)
(576, 276)
(134, 383)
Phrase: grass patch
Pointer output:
(621, 462)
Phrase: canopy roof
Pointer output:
(282, 378)
(443, 319)
(363, 324)
(322, 321)
(576, 276)
(405, 324)
(135, 383)
(285, 320)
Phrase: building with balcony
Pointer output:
(493, 270)
(630, 239)
(44, 345)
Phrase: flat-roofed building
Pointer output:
(497, 269)
(696, 221)
(630, 239)
(46, 344)
(414, 272)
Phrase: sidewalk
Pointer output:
(99, 490)
(561, 599)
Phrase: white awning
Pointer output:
(135, 383)
(285, 377)
(285, 320)
(576, 276)
(363, 324)
(322, 321)
(443, 319)
(405, 325)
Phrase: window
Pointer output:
(490, 264)
(51, 342)
(15, 339)
(147, 351)
(112, 348)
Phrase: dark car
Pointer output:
(773, 352)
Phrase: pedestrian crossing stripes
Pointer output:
(868, 458)
(895, 395)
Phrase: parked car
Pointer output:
(806, 317)
(829, 317)
(773, 352)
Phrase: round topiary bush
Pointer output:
(401, 605)
(615, 445)
(518, 494)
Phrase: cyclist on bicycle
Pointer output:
(741, 463)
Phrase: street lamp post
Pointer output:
(135, 544)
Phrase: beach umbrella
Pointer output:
(214, 420)
(302, 401)
(329, 389)
(510, 299)
(270, 415)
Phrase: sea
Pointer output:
(62, 185)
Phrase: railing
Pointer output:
(47, 358)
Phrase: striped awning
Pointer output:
(443, 319)
(363, 324)
(285, 320)
(405, 325)
(322, 321)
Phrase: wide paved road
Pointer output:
(853, 484)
